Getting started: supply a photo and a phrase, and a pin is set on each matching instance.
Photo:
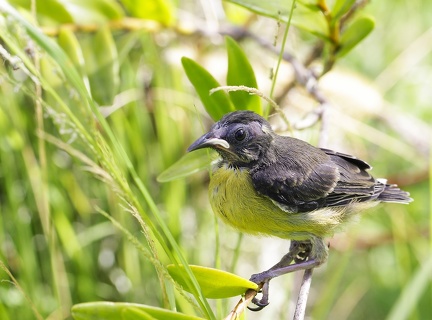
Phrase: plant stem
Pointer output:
(303, 295)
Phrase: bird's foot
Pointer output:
(261, 278)
(264, 301)
(299, 253)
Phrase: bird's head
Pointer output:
(242, 138)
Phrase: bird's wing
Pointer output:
(355, 183)
(314, 179)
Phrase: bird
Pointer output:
(272, 185)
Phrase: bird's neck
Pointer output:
(262, 161)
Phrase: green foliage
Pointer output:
(317, 20)
(341, 7)
(189, 164)
(159, 10)
(124, 311)
(216, 104)
(83, 215)
(355, 32)
(307, 15)
(100, 54)
(240, 73)
(215, 284)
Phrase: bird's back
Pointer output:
(316, 178)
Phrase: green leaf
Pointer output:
(55, 12)
(70, 45)
(276, 9)
(306, 15)
(158, 10)
(311, 20)
(355, 33)
(190, 163)
(215, 284)
(94, 11)
(102, 65)
(217, 104)
(124, 311)
(134, 314)
(240, 72)
(341, 7)
(48, 11)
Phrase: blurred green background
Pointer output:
(61, 163)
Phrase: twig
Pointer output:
(241, 305)
(259, 94)
(248, 90)
(300, 310)
(126, 23)
(17, 63)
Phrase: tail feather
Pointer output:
(392, 193)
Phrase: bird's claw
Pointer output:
(264, 301)
(259, 305)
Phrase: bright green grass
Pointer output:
(61, 248)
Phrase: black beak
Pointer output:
(209, 141)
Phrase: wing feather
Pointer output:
(301, 178)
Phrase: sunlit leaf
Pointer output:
(216, 104)
(341, 7)
(312, 20)
(70, 45)
(355, 33)
(124, 311)
(271, 8)
(190, 163)
(158, 10)
(94, 11)
(135, 313)
(306, 15)
(240, 72)
(214, 283)
(48, 11)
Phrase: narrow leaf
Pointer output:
(190, 163)
(240, 72)
(216, 104)
(122, 310)
(48, 11)
(136, 314)
(355, 33)
(215, 284)
(102, 65)
(158, 10)
(341, 7)
(94, 11)
(70, 45)
(306, 15)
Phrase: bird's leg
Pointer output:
(305, 254)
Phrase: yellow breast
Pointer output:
(234, 199)
(236, 202)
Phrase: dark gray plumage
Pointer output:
(298, 175)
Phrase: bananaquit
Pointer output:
(267, 184)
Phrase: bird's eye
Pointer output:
(240, 134)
